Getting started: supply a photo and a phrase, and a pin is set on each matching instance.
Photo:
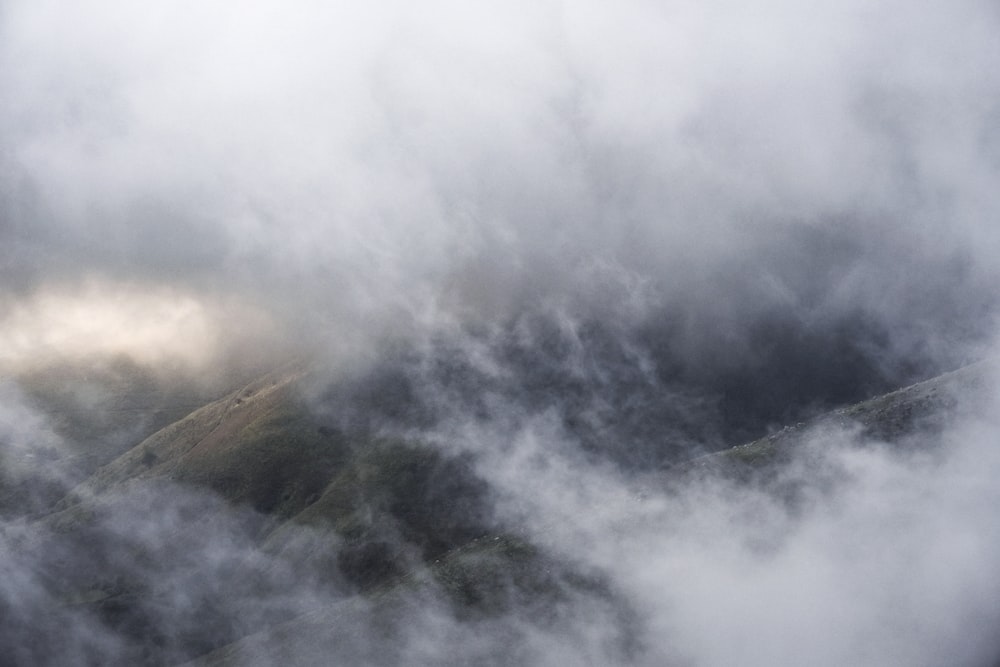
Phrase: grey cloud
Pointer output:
(597, 239)
(380, 144)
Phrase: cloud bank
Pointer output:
(356, 172)
(577, 242)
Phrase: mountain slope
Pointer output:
(290, 538)
(921, 408)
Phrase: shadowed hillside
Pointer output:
(902, 418)
(341, 532)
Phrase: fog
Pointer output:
(884, 560)
(578, 244)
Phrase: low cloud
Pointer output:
(365, 173)
(577, 243)
(883, 556)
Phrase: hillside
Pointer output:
(348, 515)
(893, 418)
(253, 497)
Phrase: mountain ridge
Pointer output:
(384, 524)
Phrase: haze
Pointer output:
(586, 240)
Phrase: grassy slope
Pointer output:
(96, 411)
(480, 578)
(892, 418)
(375, 509)
(404, 518)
